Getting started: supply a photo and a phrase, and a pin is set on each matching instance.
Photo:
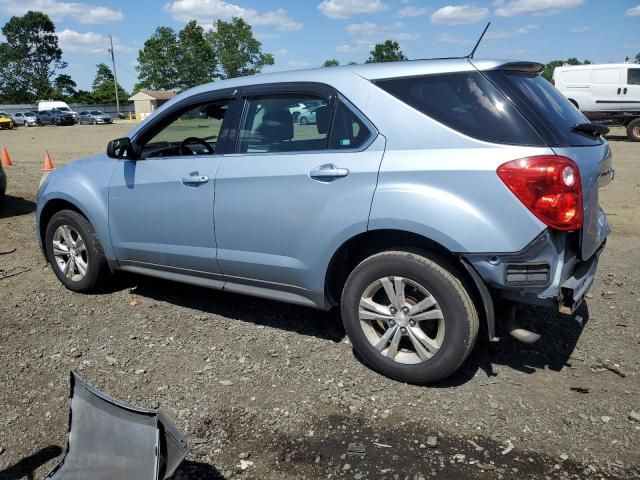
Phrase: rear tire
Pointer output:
(70, 232)
(633, 130)
(436, 318)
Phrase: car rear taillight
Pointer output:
(549, 186)
(553, 82)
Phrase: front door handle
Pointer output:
(328, 172)
(619, 90)
(625, 90)
(194, 178)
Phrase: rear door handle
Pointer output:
(194, 178)
(625, 90)
(619, 90)
(328, 172)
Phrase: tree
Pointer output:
(31, 56)
(551, 66)
(196, 58)
(638, 58)
(389, 51)
(158, 61)
(102, 89)
(238, 52)
(331, 63)
(64, 86)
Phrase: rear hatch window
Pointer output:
(466, 102)
(542, 104)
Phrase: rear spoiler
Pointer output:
(524, 67)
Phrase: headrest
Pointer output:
(276, 126)
(322, 118)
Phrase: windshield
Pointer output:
(29, 114)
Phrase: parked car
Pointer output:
(45, 117)
(309, 116)
(428, 191)
(302, 107)
(62, 117)
(93, 117)
(26, 119)
(6, 123)
(607, 93)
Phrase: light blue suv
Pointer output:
(424, 193)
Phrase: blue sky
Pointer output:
(304, 33)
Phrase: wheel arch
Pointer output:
(370, 242)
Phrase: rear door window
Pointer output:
(633, 76)
(466, 102)
(550, 111)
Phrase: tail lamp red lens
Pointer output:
(549, 186)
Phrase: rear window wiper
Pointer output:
(593, 129)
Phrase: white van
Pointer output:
(612, 87)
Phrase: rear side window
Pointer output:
(550, 111)
(348, 131)
(466, 102)
(633, 76)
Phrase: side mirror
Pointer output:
(121, 148)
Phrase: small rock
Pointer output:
(226, 383)
(356, 449)
(244, 455)
(564, 457)
(140, 371)
(111, 361)
(605, 419)
(244, 464)
(346, 467)
(634, 416)
(432, 441)
(608, 295)
(75, 353)
(1, 450)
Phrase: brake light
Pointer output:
(549, 186)
(553, 82)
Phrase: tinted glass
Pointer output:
(96, 112)
(466, 102)
(544, 105)
(268, 124)
(633, 76)
(194, 132)
(347, 131)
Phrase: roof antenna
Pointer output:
(478, 42)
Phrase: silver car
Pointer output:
(93, 117)
(26, 119)
(425, 193)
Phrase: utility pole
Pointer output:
(115, 76)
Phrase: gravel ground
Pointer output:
(265, 390)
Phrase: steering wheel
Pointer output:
(199, 141)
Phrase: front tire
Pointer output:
(74, 251)
(408, 316)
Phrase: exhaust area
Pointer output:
(515, 330)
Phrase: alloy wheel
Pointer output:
(70, 253)
(402, 320)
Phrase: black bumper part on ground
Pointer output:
(110, 440)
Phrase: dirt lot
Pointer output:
(278, 385)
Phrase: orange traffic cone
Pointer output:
(6, 159)
(48, 164)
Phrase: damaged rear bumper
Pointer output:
(547, 272)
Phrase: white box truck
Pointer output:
(56, 105)
(606, 93)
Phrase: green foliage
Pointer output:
(29, 58)
(238, 52)
(196, 57)
(158, 61)
(551, 66)
(638, 58)
(64, 86)
(331, 63)
(103, 86)
(389, 51)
